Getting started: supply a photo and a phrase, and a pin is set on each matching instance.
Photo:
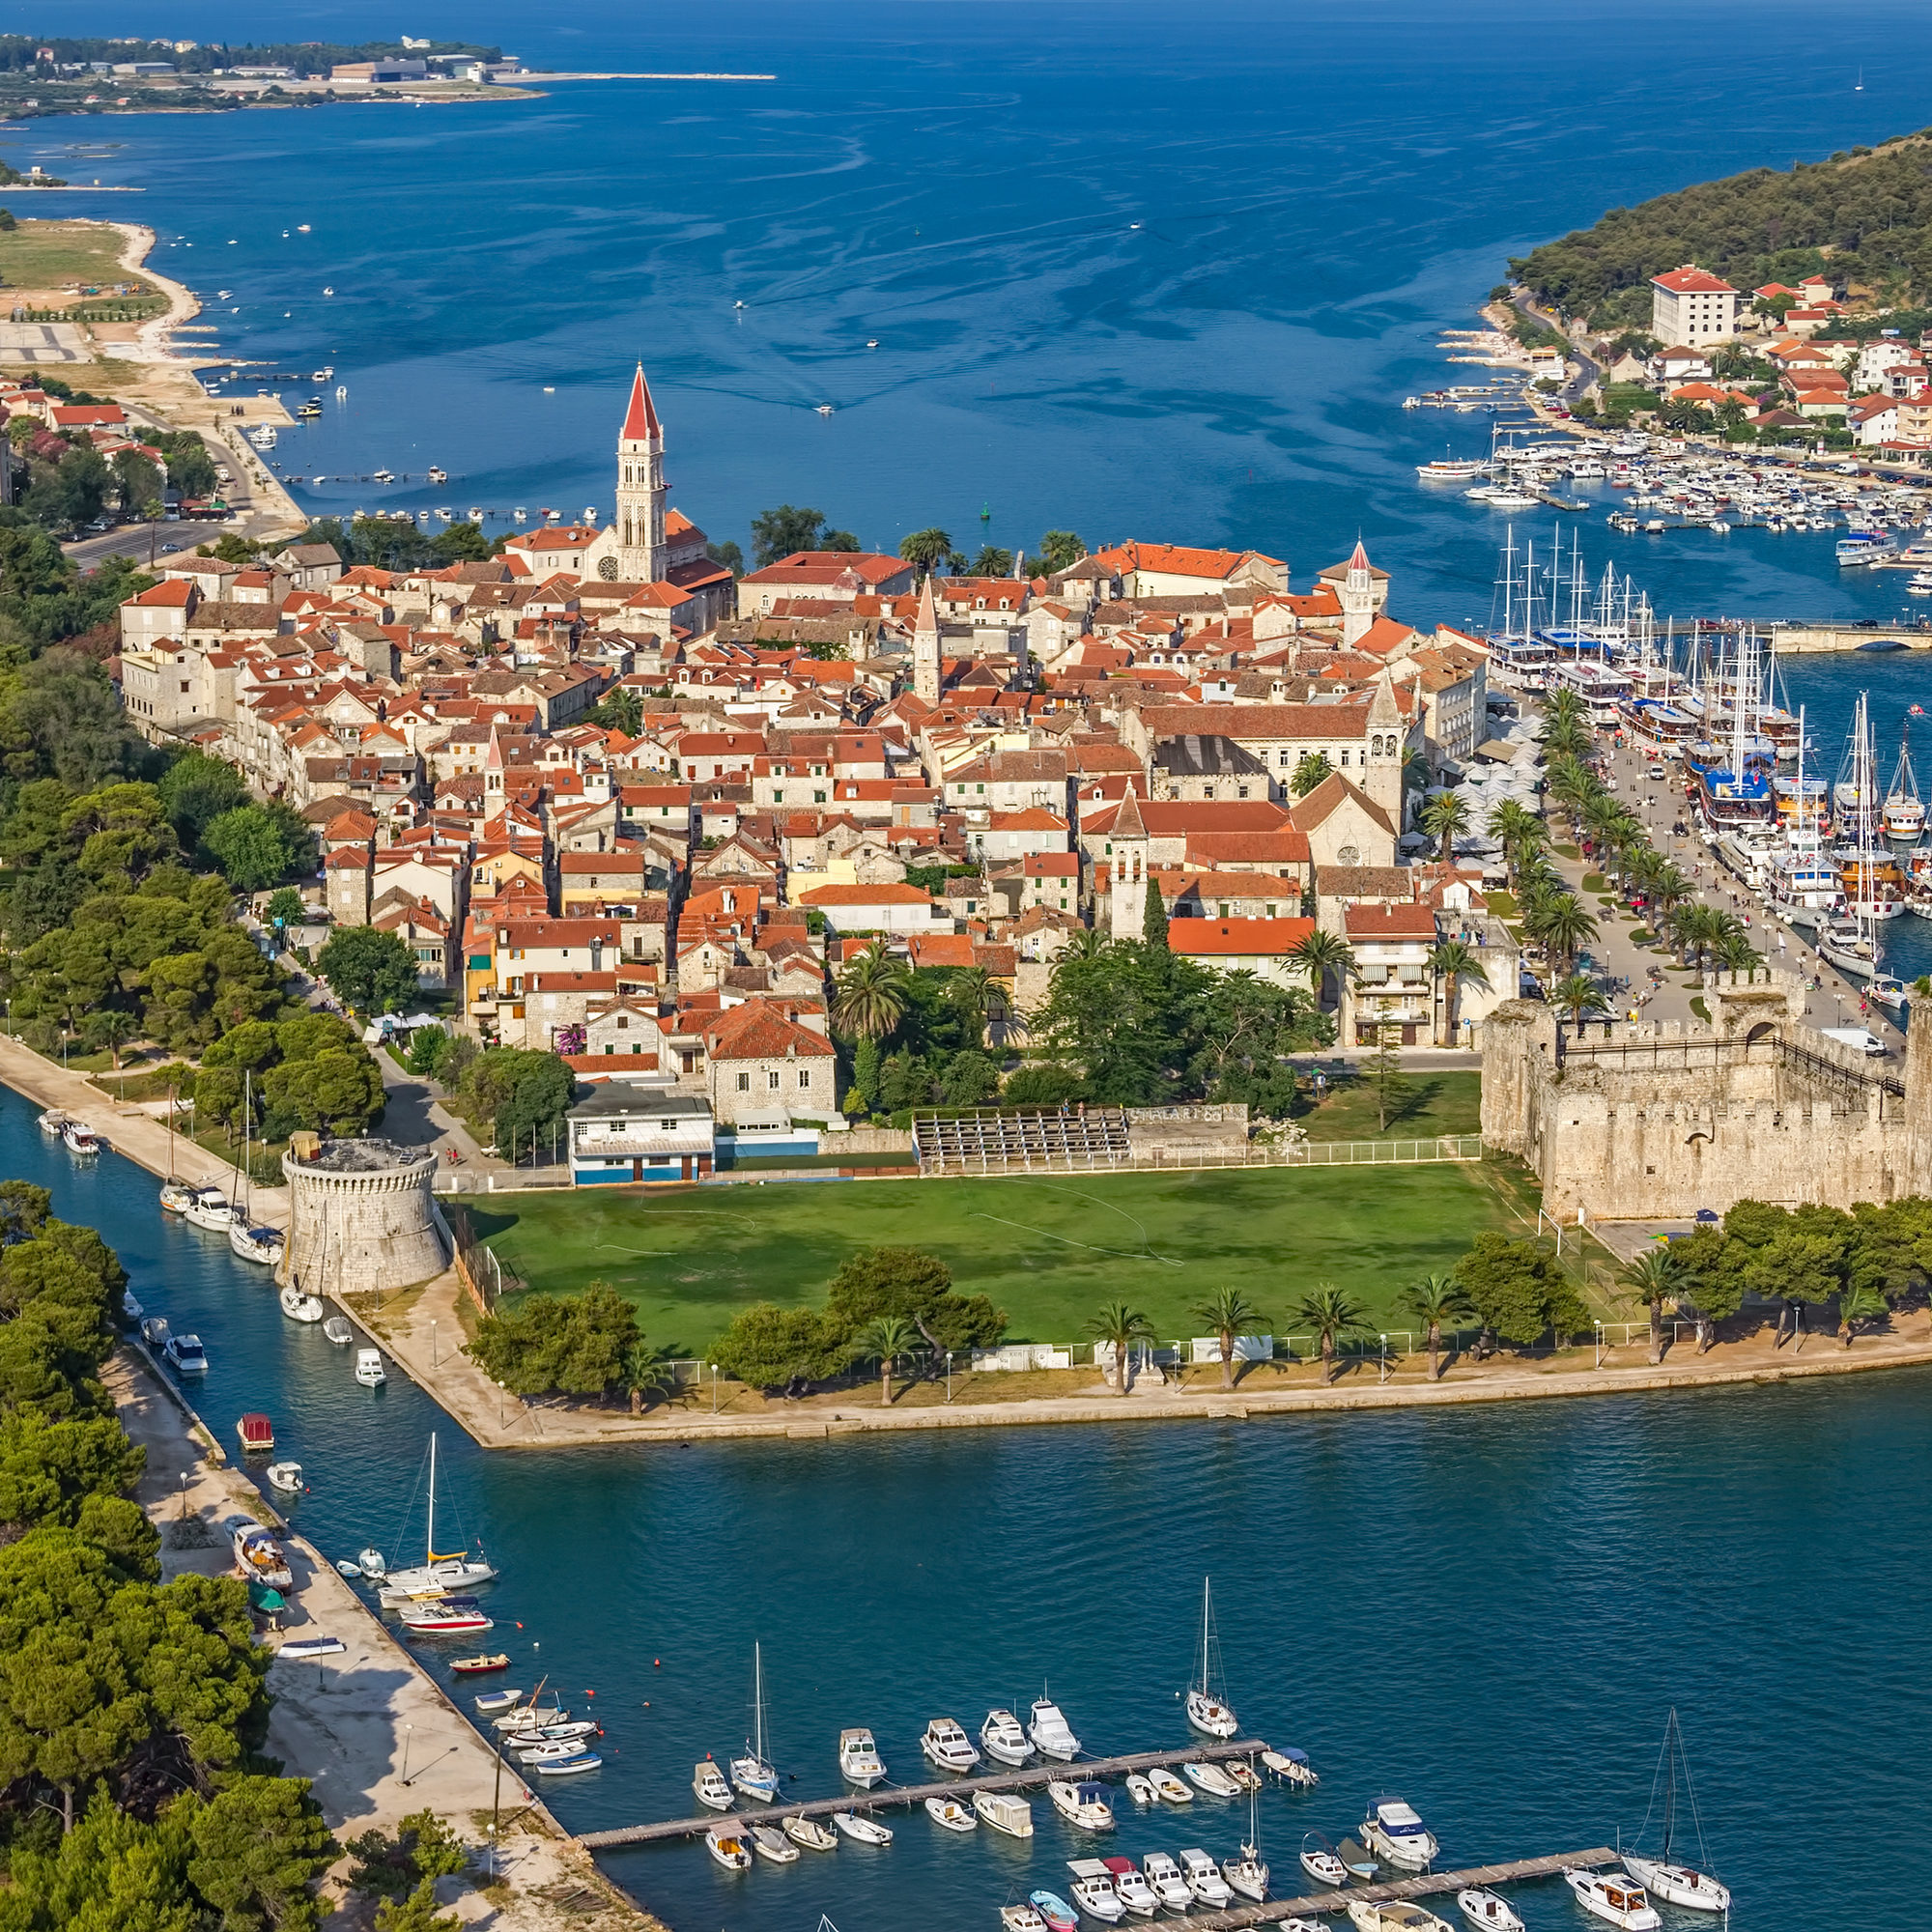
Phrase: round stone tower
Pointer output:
(361, 1216)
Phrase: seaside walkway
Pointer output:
(1030, 1777)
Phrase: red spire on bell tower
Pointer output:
(640, 419)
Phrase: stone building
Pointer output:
(1653, 1124)
(362, 1217)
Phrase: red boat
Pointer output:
(434, 1622)
(471, 1667)
(257, 1433)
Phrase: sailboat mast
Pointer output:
(1670, 1783)
(1203, 1635)
(430, 1549)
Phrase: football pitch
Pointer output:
(1049, 1249)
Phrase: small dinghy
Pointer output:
(477, 1666)
(865, 1831)
(370, 1562)
(949, 1812)
(1021, 1919)
(491, 1701)
(1486, 1910)
(299, 1306)
(1165, 1786)
(338, 1330)
(729, 1849)
(772, 1844)
(568, 1767)
(811, 1833)
(286, 1477)
(1139, 1789)
(1245, 1777)
(301, 1647)
(1060, 1916)
(353, 1571)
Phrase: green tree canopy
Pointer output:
(370, 971)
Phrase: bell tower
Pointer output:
(639, 521)
(1356, 594)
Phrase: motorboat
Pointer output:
(1204, 1878)
(444, 1620)
(369, 1370)
(727, 1848)
(1393, 1914)
(1393, 1830)
(370, 1562)
(286, 1477)
(490, 1702)
(1679, 1884)
(708, 1781)
(265, 1246)
(1208, 1712)
(1321, 1862)
(476, 1667)
(1615, 1897)
(1092, 1891)
(307, 1649)
(1139, 1789)
(861, 1830)
(947, 1745)
(256, 1433)
(131, 1311)
(953, 1815)
(548, 1734)
(51, 1122)
(174, 1196)
(543, 1750)
(859, 1760)
(1005, 1812)
(338, 1330)
(1243, 1774)
(1483, 1908)
(811, 1833)
(1083, 1804)
(1247, 1874)
(1130, 1888)
(1050, 1734)
(1165, 1882)
(257, 1554)
(210, 1209)
(300, 1306)
(1060, 1916)
(1210, 1779)
(568, 1767)
(528, 1716)
(1165, 1786)
(1887, 989)
(154, 1331)
(435, 1574)
(1021, 1919)
(769, 1843)
(1001, 1739)
(186, 1356)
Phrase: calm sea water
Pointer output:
(1134, 270)
(1487, 1612)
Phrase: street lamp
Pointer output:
(713, 1388)
(948, 1375)
(1383, 1375)
(432, 1345)
(1600, 1341)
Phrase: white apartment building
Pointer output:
(1690, 305)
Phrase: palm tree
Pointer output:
(1121, 1326)
(1229, 1313)
(1435, 1300)
(1445, 817)
(1081, 944)
(1564, 924)
(1697, 928)
(1737, 955)
(1331, 1311)
(1566, 739)
(1653, 1278)
(1459, 965)
(928, 548)
(1578, 994)
(971, 989)
(1858, 1304)
(885, 1339)
(646, 1374)
(1564, 705)
(1323, 954)
(873, 990)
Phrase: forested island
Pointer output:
(1864, 218)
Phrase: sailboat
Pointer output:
(751, 1774)
(1662, 1876)
(436, 1574)
(1851, 941)
(255, 1244)
(175, 1193)
(1248, 1874)
(1903, 812)
(1206, 1711)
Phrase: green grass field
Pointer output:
(1048, 1250)
(1442, 1103)
(46, 256)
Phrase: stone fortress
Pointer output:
(1655, 1122)
(361, 1216)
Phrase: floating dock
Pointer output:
(1030, 1777)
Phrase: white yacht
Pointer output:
(1002, 1739)
(1210, 1779)
(1208, 1714)
(1084, 1804)
(859, 1760)
(1321, 1862)
(265, 1246)
(186, 1354)
(863, 1829)
(369, 1370)
(435, 1574)
(1021, 1917)
(1679, 1884)
(708, 1781)
(1393, 1830)
(1204, 1878)
(1005, 1812)
(1289, 1766)
(1050, 1734)
(951, 1814)
(1247, 1874)
(752, 1774)
(769, 1843)
(1615, 1897)
(1131, 1889)
(1393, 1914)
(1165, 1882)
(727, 1848)
(210, 1209)
(80, 1138)
(300, 1306)
(947, 1745)
(1092, 1889)
(1485, 1911)
(50, 1123)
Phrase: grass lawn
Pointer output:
(46, 257)
(1048, 1250)
(1443, 1103)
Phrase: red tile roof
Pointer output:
(1225, 938)
(1693, 280)
(640, 419)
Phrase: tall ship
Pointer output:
(1903, 812)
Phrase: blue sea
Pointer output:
(1133, 271)
(1487, 1612)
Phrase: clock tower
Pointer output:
(639, 519)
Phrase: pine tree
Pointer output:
(1392, 1088)
(1153, 919)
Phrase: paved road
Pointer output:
(1588, 371)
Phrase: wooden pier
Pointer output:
(1030, 1777)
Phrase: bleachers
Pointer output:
(1000, 1143)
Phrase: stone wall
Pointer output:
(361, 1218)
(1655, 1122)
(1175, 1132)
